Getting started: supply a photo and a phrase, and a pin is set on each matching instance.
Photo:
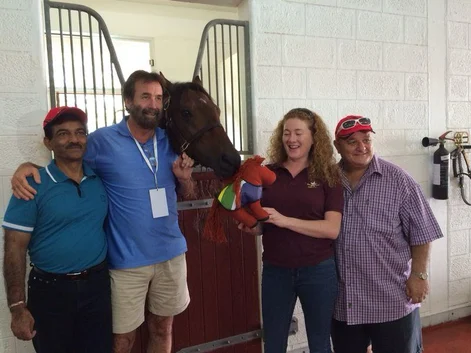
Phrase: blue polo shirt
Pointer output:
(135, 238)
(65, 220)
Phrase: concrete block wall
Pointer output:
(22, 108)
(459, 118)
(375, 58)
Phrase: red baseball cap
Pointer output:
(54, 113)
(351, 124)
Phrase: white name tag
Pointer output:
(158, 200)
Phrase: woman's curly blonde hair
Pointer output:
(322, 163)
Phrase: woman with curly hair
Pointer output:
(305, 206)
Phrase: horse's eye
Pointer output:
(186, 113)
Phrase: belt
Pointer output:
(74, 275)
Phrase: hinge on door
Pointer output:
(194, 204)
(233, 340)
(151, 62)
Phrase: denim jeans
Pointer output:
(316, 288)
(403, 335)
(71, 316)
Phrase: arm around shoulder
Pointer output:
(19, 184)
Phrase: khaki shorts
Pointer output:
(163, 285)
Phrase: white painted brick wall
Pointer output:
(401, 57)
(417, 87)
(460, 61)
(329, 22)
(458, 118)
(380, 85)
(380, 27)
(458, 88)
(330, 84)
(406, 7)
(415, 30)
(268, 49)
(22, 108)
(459, 292)
(459, 10)
(305, 51)
(359, 55)
(372, 5)
(293, 82)
(286, 18)
(459, 115)
(458, 35)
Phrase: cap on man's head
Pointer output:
(351, 124)
(56, 112)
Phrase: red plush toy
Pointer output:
(241, 198)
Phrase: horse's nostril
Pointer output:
(232, 160)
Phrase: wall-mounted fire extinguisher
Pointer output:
(441, 165)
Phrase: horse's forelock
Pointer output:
(180, 87)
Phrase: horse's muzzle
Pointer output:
(228, 165)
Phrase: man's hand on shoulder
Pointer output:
(19, 184)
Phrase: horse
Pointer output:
(191, 120)
(242, 192)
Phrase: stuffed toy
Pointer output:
(240, 198)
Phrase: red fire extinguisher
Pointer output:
(441, 165)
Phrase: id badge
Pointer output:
(158, 201)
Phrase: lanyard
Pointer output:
(147, 159)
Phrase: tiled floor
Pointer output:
(453, 337)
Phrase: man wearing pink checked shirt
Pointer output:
(382, 250)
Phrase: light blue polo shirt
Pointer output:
(65, 220)
(135, 238)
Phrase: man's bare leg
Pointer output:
(123, 342)
(160, 333)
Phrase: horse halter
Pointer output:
(188, 141)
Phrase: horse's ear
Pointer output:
(197, 80)
(167, 83)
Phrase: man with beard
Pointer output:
(69, 304)
(146, 249)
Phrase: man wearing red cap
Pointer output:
(382, 250)
(69, 305)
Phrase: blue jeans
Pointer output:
(316, 288)
(403, 335)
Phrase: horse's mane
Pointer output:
(241, 173)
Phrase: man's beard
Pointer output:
(142, 119)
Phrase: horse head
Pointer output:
(192, 122)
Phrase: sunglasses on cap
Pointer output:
(350, 123)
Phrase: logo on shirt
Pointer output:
(312, 185)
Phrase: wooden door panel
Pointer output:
(223, 284)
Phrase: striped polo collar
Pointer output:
(57, 176)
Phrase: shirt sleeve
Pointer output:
(20, 215)
(418, 222)
(333, 198)
(91, 152)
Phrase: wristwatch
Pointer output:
(421, 275)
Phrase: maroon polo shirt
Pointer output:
(296, 197)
